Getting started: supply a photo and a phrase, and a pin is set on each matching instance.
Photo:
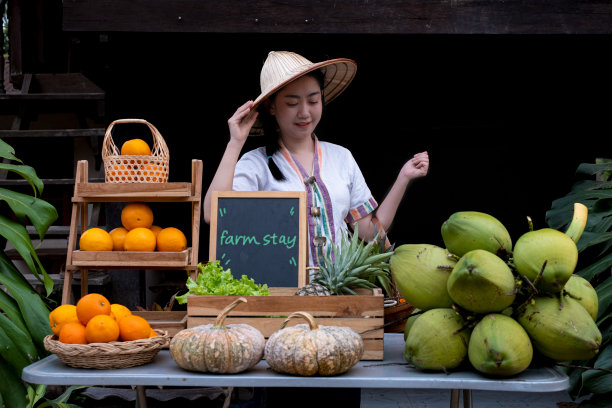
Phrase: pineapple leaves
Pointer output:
(352, 264)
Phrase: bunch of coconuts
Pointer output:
(482, 300)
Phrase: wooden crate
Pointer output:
(364, 313)
(171, 321)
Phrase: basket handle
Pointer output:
(110, 149)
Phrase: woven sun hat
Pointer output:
(283, 67)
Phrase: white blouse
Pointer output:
(337, 188)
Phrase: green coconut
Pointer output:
(582, 290)
(410, 321)
(481, 282)
(561, 331)
(438, 340)
(420, 272)
(465, 231)
(499, 346)
(547, 250)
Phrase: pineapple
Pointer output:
(313, 289)
(355, 265)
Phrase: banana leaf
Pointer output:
(62, 400)
(596, 268)
(12, 389)
(604, 295)
(7, 151)
(35, 393)
(12, 354)
(600, 381)
(26, 172)
(9, 307)
(32, 307)
(18, 236)
(40, 213)
(22, 340)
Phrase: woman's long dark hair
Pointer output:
(271, 130)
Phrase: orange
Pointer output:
(140, 239)
(102, 329)
(91, 305)
(137, 147)
(135, 215)
(171, 240)
(73, 333)
(61, 316)
(153, 333)
(156, 229)
(95, 239)
(133, 328)
(118, 311)
(118, 236)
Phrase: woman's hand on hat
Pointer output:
(241, 122)
(416, 167)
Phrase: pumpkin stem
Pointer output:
(311, 321)
(221, 317)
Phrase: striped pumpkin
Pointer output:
(309, 349)
(215, 348)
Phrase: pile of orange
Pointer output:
(137, 233)
(95, 320)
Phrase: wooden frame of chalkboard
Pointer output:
(261, 234)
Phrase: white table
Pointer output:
(392, 372)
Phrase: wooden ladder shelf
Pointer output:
(86, 192)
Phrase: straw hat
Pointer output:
(282, 67)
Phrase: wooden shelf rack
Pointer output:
(86, 193)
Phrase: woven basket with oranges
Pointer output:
(136, 161)
(97, 334)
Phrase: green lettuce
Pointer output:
(213, 280)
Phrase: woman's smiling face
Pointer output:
(298, 107)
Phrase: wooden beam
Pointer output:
(341, 16)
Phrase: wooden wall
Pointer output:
(507, 97)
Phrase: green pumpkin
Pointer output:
(311, 349)
(215, 348)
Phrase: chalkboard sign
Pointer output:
(261, 234)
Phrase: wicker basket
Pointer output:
(135, 169)
(104, 356)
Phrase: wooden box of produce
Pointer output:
(170, 321)
(364, 313)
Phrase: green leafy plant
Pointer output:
(212, 279)
(592, 379)
(24, 316)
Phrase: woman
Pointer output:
(287, 112)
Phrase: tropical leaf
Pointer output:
(21, 339)
(12, 389)
(7, 151)
(9, 307)
(600, 381)
(597, 267)
(35, 394)
(62, 400)
(595, 260)
(12, 353)
(18, 236)
(26, 172)
(604, 295)
(39, 212)
(32, 307)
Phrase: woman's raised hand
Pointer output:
(240, 123)
(416, 167)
